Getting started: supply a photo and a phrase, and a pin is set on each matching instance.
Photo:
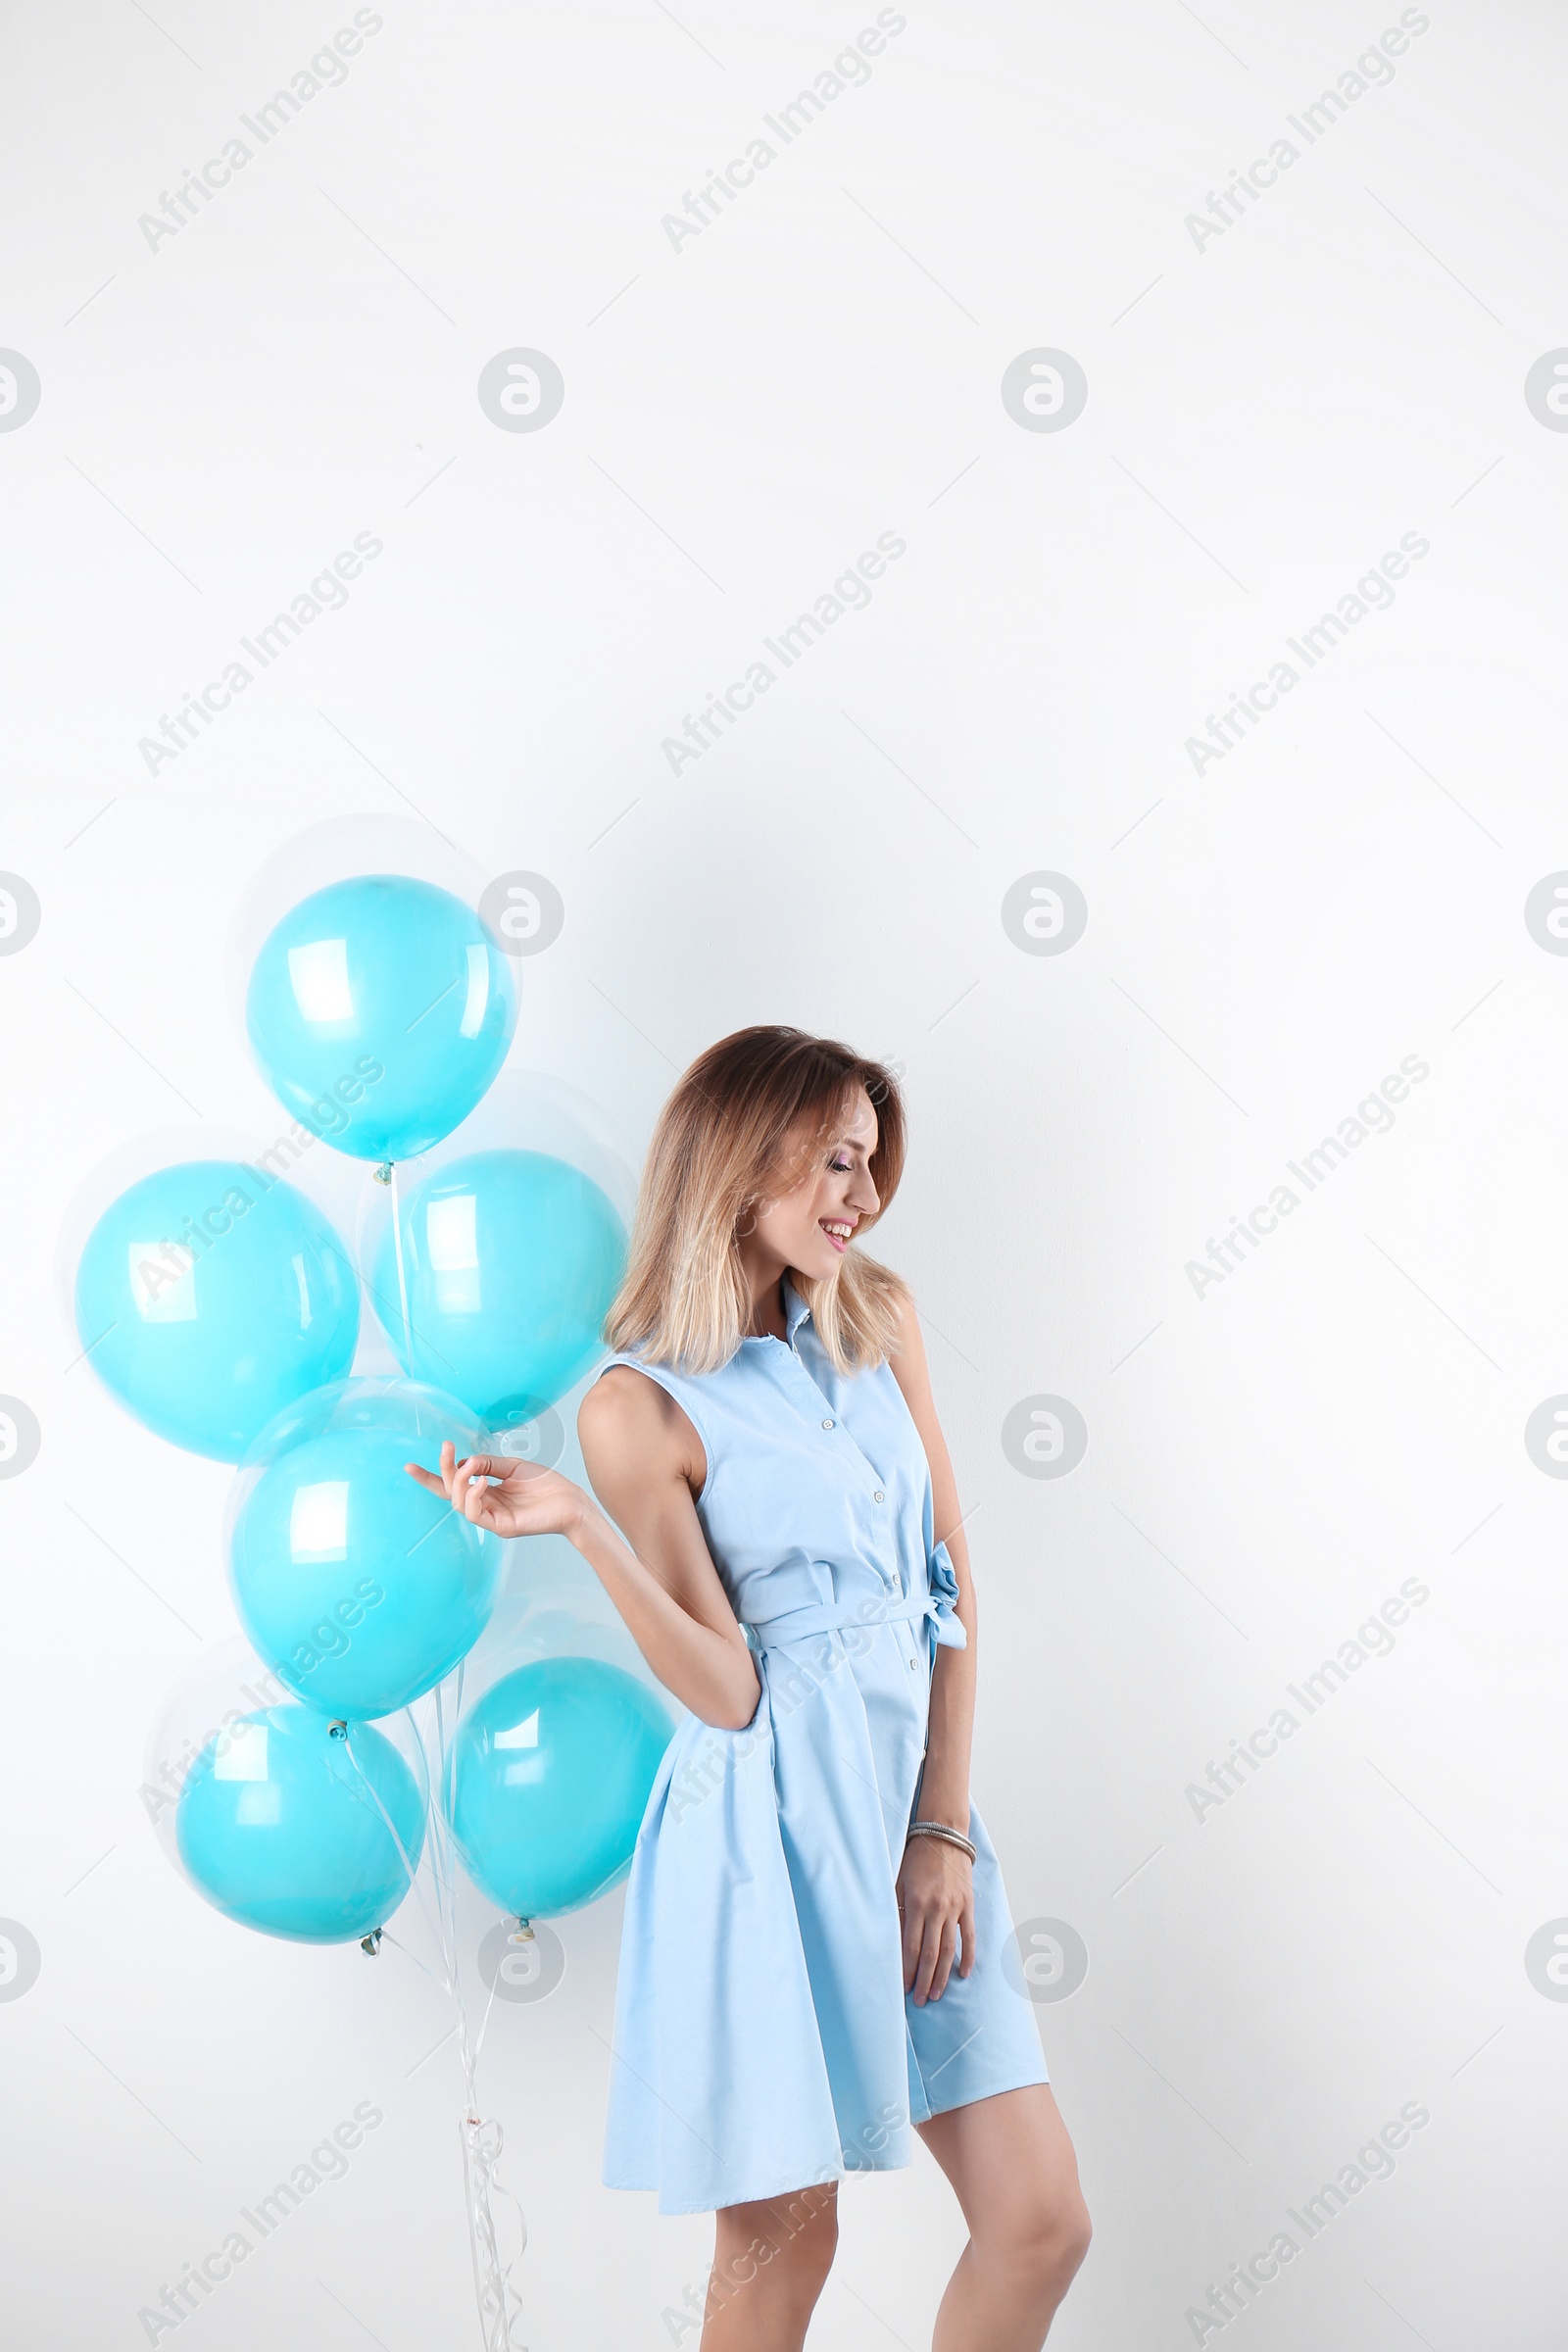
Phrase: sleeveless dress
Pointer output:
(764, 2041)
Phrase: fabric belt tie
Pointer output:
(934, 1607)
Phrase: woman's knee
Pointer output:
(1040, 2240)
(1074, 2232)
(791, 2242)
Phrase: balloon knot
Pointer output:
(383, 1174)
(371, 1943)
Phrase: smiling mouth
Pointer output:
(838, 1232)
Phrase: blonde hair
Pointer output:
(742, 1126)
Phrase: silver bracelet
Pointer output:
(940, 1829)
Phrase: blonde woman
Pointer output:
(812, 1953)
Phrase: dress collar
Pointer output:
(796, 1310)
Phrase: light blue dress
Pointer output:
(763, 2042)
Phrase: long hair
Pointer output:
(747, 1121)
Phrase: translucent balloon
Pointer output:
(509, 1263)
(359, 1589)
(208, 1295)
(553, 1607)
(275, 1821)
(212, 1694)
(337, 849)
(379, 1009)
(533, 1110)
(549, 1779)
(288, 1828)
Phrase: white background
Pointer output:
(743, 417)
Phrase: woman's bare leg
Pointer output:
(770, 2263)
(1014, 2174)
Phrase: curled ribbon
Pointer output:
(482, 2143)
(499, 2302)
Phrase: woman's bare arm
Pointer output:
(944, 1786)
(647, 1465)
(644, 1461)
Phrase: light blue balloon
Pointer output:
(379, 1011)
(358, 1587)
(511, 1260)
(207, 1297)
(280, 1825)
(551, 1778)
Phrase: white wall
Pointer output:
(1269, 411)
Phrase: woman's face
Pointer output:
(810, 1226)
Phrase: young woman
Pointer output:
(812, 1952)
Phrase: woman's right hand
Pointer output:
(526, 1498)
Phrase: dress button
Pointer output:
(911, 1665)
(879, 1496)
(827, 1425)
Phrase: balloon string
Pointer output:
(410, 1868)
(479, 2048)
(403, 1282)
(398, 1945)
(482, 2137)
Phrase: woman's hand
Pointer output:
(936, 1911)
(527, 1500)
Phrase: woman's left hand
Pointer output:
(936, 1912)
